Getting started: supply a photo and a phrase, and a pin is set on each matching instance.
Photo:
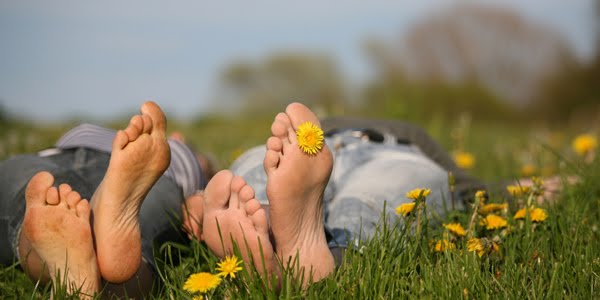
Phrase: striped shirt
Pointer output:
(184, 169)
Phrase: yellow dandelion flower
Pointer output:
(584, 143)
(464, 160)
(443, 245)
(520, 214)
(310, 138)
(480, 195)
(538, 215)
(475, 245)
(456, 229)
(414, 194)
(495, 247)
(528, 170)
(405, 209)
(493, 221)
(201, 282)
(537, 182)
(518, 191)
(229, 266)
(492, 207)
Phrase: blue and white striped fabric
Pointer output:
(184, 169)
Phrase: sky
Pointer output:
(101, 59)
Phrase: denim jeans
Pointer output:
(367, 178)
(83, 169)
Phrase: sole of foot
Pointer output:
(140, 155)
(57, 226)
(295, 185)
(233, 216)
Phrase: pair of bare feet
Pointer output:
(56, 237)
(295, 185)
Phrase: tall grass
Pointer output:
(557, 258)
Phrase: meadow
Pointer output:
(530, 251)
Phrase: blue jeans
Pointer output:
(83, 169)
(367, 178)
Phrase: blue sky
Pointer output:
(102, 59)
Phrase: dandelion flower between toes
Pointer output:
(310, 138)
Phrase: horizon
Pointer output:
(67, 60)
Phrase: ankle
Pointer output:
(311, 259)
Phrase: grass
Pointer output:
(557, 258)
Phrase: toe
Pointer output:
(52, 197)
(148, 124)
(292, 137)
(259, 218)
(246, 193)
(120, 141)
(280, 125)
(37, 188)
(275, 144)
(271, 161)
(237, 183)
(252, 205)
(63, 191)
(218, 190)
(83, 210)
(298, 113)
(159, 121)
(135, 128)
(73, 199)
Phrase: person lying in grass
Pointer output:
(315, 208)
(49, 227)
(289, 190)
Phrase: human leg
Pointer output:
(233, 216)
(15, 173)
(412, 134)
(295, 186)
(381, 181)
(56, 226)
(139, 157)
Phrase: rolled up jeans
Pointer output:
(367, 178)
(83, 169)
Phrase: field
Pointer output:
(554, 254)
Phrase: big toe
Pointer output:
(218, 190)
(35, 193)
(152, 109)
(299, 113)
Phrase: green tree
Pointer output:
(574, 92)
(476, 58)
(265, 86)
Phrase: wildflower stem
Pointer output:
(451, 183)
(472, 222)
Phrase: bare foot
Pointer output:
(140, 155)
(193, 214)
(57, 225)
(230, 207)
(295, 185)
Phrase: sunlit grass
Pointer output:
(556, 258)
